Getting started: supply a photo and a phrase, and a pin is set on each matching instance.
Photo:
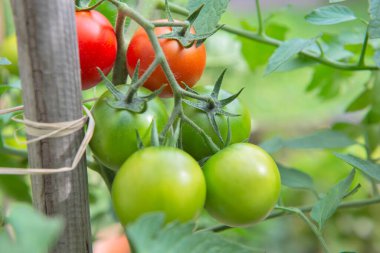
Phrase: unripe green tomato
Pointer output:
(243, 184)
(114, 138)
(162, 179)
(194, 144)
(8, 49)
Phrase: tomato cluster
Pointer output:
(239, 185)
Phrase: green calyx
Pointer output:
(214, 107)
(129, 101)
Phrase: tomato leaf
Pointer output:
(255, 53)
(332, 14)
(320, 140)
(286, 51)
(149, 234)
(362, 101)
(294, 178)
(374, 23)
(4, 61)
(327, 206)
(273, 145)
(33, 232)
(210, 15)
(369, 168)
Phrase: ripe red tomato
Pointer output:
(187, 64)
(162, 179)
(97, 46)
(243, 184)
(114, 244)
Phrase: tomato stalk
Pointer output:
(120, 73)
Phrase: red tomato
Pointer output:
(187, 64)
(97, 46)
(114, 244)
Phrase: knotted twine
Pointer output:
(51, 130)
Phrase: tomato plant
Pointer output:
(8, 49)
(97, 46)
(187, 64)
(243, 184)
(240, 125)
(159, 179)
(114, 138)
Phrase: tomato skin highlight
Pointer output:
(162, 179)
(193, 142)
(97, 46)
(243, 185)
(187, 64)
(114, 138)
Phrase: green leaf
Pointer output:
(367, 167)
(328, 81)
(82, 3)
(362, 101)
(295, 178)
(327, 206)
(322, 139)
(149, 234)
(374, 28)
(255, 53)
(332, 14)
(273, 145)
(374, 9)
(33, 232)
(4, 61)
(210, 15)
(376, 58)
(286, 51)
(15, 187)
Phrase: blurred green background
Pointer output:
(280, 104)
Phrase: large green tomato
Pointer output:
(162, 179)
(114, 138)
(243, 184)
(8, 49)
(193, 142)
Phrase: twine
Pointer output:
(51, 130)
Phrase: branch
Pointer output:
(306, 209)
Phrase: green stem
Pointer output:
(312, 226)
(134, 87)
(259, 18)
(206, 138)
(177, 110)
(276, 43)
(120, 72)
(306, 209)
(364, 48)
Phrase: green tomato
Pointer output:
(8, 49)
(194, 144)
(243, 184)
(114, 138)
(162, 179)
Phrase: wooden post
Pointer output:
(49, 70)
